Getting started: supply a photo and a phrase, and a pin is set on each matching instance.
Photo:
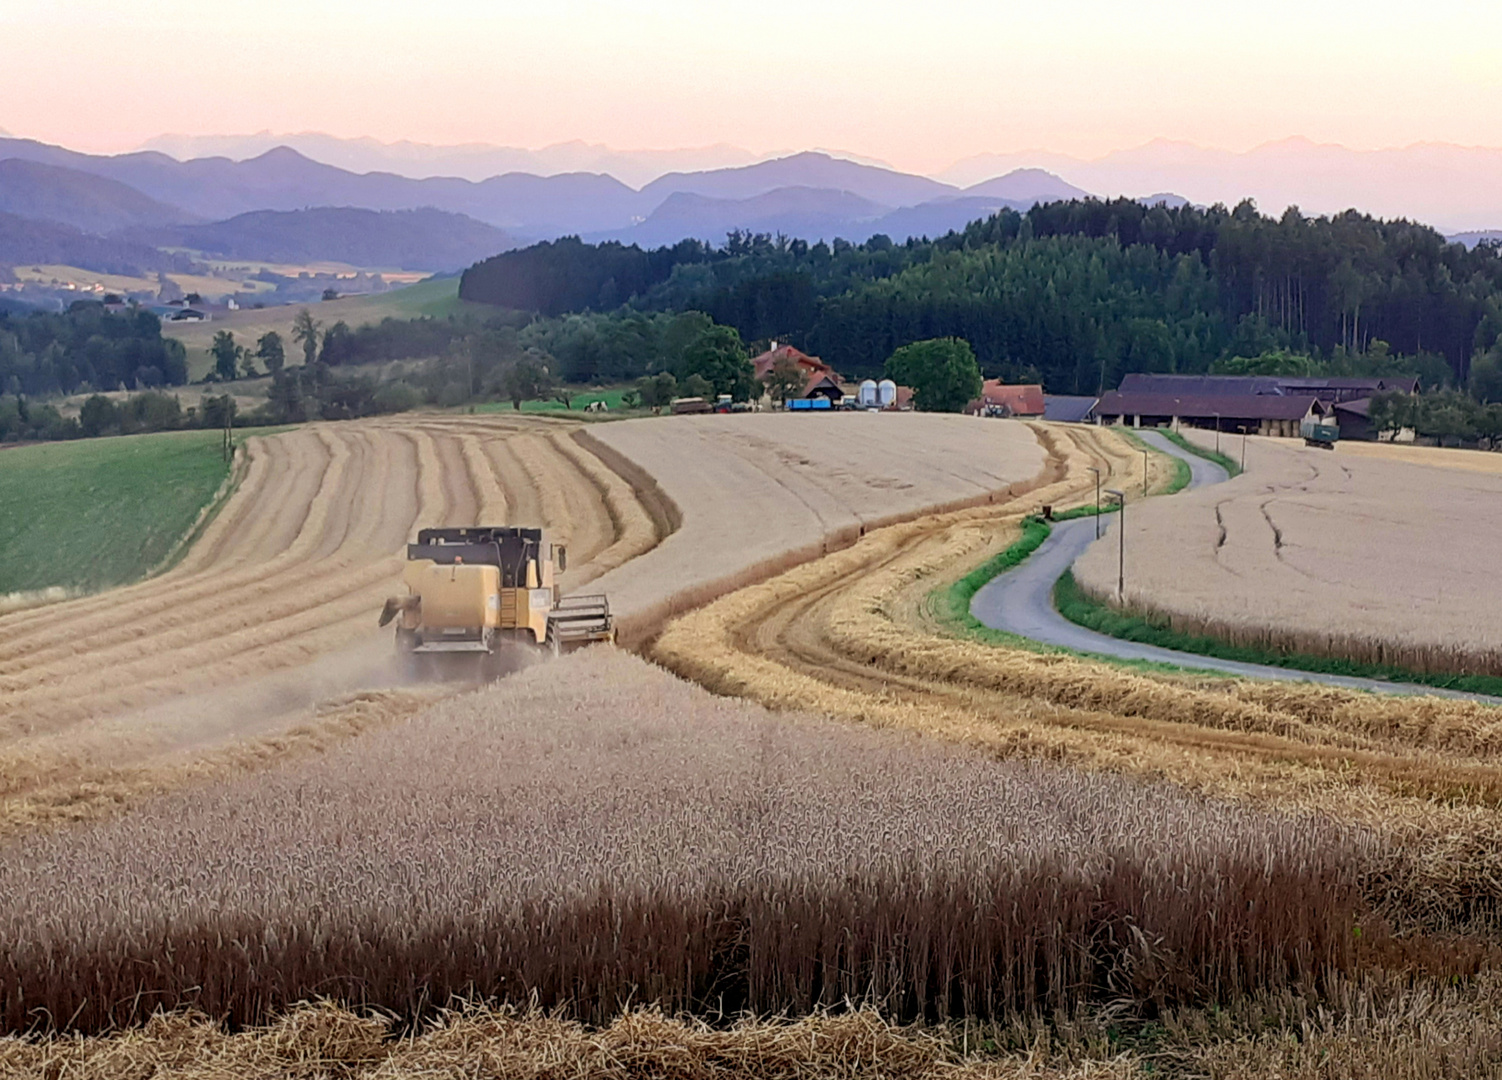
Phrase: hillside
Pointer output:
(46, 243)
(1027, 186)
(430, 240)
(91, 203)
(808, 213)
(436, 297)
(886, 187)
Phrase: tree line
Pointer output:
(1074, 294)
(86, 348)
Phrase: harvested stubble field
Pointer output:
(272, 610)
(760, 493)
(1367, 554)
(597, 834)
(860, 634)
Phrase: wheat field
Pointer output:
(853, 635)
(595, 834)
(1276, 880)
(1358, 555)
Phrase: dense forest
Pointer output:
(1073, 293)
(86, 348)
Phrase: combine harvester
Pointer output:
(483, 601)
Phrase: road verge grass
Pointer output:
(1075, 605)
(1226, 462)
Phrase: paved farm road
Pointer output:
(1020, 602)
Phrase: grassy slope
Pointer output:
(89, 514)
(438, 297)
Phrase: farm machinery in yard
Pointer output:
(483, 601)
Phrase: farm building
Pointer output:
(1328, 390)
(1257, 404)
(1000, 399)
(821, 381)
(1255, 414)
(1069, 409)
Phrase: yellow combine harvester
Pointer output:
(482, 600)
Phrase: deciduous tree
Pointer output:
(941, 371)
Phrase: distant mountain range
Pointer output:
(410, 239)
(91, 203)
(281, 205)
(468, 161)
(1454, 188)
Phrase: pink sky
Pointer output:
(916, 85)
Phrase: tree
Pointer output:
(786, 380)
(271, 351)
(226, 355)
(527, 379)
(305, 332)
(655, 391)
(941, 371)
(1486, 376)
(698, 386)
(338, 344)
(98, 415)
(719, 357)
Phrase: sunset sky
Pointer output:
(918, 85)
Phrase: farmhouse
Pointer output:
(1000, 399)
(820, 379)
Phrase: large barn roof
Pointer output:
(1204, 406)
(1334, 388)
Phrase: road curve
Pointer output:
(1020, 602)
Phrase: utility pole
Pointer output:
(1243, 451)
(1217, 433)
(1144, 473)
(1096, 471)
(1120, 497)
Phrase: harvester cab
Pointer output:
(487, 594)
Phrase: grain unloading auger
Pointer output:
(486, 598)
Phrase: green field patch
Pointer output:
(94, 513)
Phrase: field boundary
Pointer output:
(1077, 604)
(238, 467)
(640, 630)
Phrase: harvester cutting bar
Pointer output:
(583, 618)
